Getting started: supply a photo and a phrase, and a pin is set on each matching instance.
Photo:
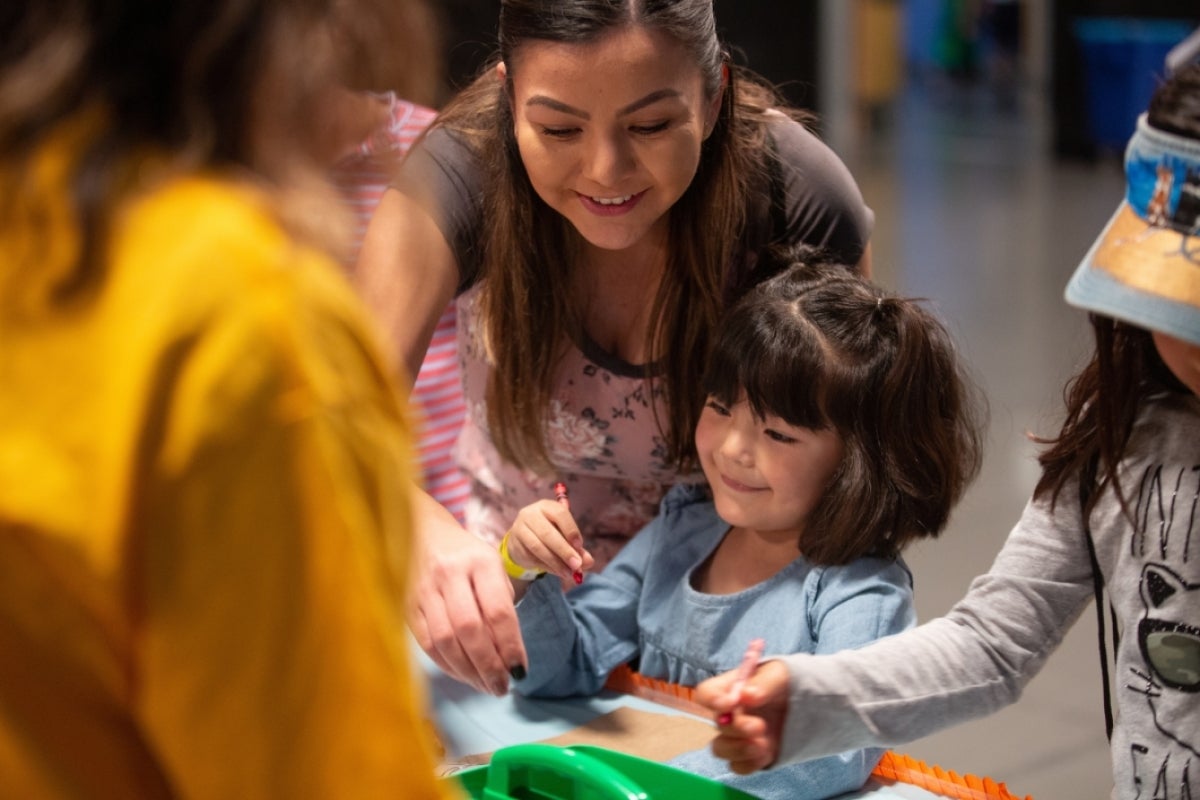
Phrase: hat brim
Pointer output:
(1142, 274)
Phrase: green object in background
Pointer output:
(584, 772)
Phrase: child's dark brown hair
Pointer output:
(822, 348)
(1104, 398)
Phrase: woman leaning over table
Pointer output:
(595, 199)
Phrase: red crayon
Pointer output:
(745, 670)
(560, 494)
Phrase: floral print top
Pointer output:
(602, 437)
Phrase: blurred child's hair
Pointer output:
(214, 84)
(822, 348)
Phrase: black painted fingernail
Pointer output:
(517, 671)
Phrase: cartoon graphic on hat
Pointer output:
(1145, 266)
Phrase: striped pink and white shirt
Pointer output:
(437, 395)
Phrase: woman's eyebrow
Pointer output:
(649, 99)
(557, 105)
(551, 103)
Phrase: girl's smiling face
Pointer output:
(766, 475)
(610, 131)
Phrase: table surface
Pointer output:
(470, 722)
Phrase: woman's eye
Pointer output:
(646, 130)
(559, 133)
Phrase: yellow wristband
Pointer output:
(514, 569)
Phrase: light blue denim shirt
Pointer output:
(642, 609)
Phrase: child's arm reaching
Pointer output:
(545, 538)
(848, 607)
(750, 741)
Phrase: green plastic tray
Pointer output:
(584, 772)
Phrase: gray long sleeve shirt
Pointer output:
(980, 656)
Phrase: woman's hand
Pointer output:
(750, 741)
(461, 607)
(545, 536)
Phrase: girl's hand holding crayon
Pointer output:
(545, 538)
(755, 710)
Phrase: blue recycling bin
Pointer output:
(1123, 64)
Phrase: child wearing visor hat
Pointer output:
(1117, 508)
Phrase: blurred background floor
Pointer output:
(972, 213)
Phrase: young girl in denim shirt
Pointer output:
(837, 428)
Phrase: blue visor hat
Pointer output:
(1144, 268)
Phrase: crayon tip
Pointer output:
(725, 718)
(578, 576)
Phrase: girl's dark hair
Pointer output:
(528, 250)
(197, 83)
(1103, 399)
(822, 348)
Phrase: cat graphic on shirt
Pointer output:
(1168, 635)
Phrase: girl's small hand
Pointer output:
(750, 741)
(545, 536)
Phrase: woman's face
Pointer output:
(610, 131)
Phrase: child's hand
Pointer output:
(545, 536)
(751, 739)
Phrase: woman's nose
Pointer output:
(607, 160)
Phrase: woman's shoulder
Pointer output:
(793, 143)
(444, 174)
(229, 230)
(225, 261)
(814, 197)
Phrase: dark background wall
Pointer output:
(778, 40)
(1068, 98)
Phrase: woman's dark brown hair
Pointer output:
(529, 250)
(822, 348)
(1103, 399)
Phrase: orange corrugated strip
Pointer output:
(626, 681)
(906, 769)
(892, 767)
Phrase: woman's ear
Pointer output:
(501, 72)
(714, 105)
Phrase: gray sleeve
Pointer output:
(443, 175)
(821, 205)
(975, 660)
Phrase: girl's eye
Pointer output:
(646, 130)
(559, 133)
(717, 408)
(780, 437)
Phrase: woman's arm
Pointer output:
(407, 274)
(461, 610)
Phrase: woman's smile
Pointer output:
(611, 206)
